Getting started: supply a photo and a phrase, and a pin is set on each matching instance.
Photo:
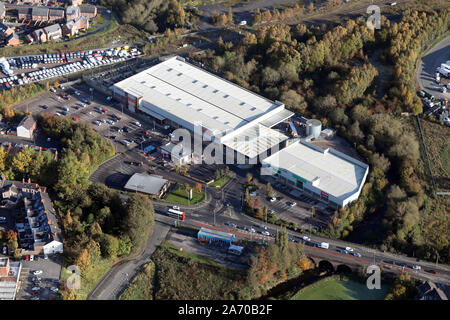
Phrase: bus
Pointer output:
(176, 214)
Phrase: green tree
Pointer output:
(270, 192)
(109, 246)
(139, 219)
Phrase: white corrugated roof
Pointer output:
(338, 176)
(254, 140)
(195, 95)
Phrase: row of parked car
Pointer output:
(27, 62)
(91, 59)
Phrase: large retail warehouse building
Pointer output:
(326, 174)
(184, 95)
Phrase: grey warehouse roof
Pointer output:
(149, 184)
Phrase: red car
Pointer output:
(75, 118)
(27, 258)
(432, 271)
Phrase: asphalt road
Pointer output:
(426, 71)
(117, 278)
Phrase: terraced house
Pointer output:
(24, 13)
(2, 11)
(56, 15)
(88, 11)
(37, 228)
(72, 12)
(39, 14)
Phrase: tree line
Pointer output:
(152, 16)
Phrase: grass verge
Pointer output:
(219, 183)
(180, 195)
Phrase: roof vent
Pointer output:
(253, 109)
(168, 94)
(195, 81)
(189, 104)
(180, 74)
(215, 117)
(226, 96)
(153, 87)
(215, 91)
(170, 69)
(242, 103)
(205, 86)
(178, 99)
(199, 109)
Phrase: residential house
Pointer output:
(55, 15)
(2, 11)
(76, 2)
(9, 278)
(39, 36)
(82, 23)
(5, 31)
(26, 127)
(29, 38)
(53, 32)
(24, 13)
(37, 228)
(69, 29)
(39, 14)
(12, 40)
(72, 12)
(88, 11)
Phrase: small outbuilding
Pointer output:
(26, 127)
(153, 185)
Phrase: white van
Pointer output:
(324, 245)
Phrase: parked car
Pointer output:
(54, 289)
(273, 199)
(416, 267)
(305, 238)
(37, 272)
(266, 233)
(350, 249)
(291, 204)
(356, 254)
(32, 257)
